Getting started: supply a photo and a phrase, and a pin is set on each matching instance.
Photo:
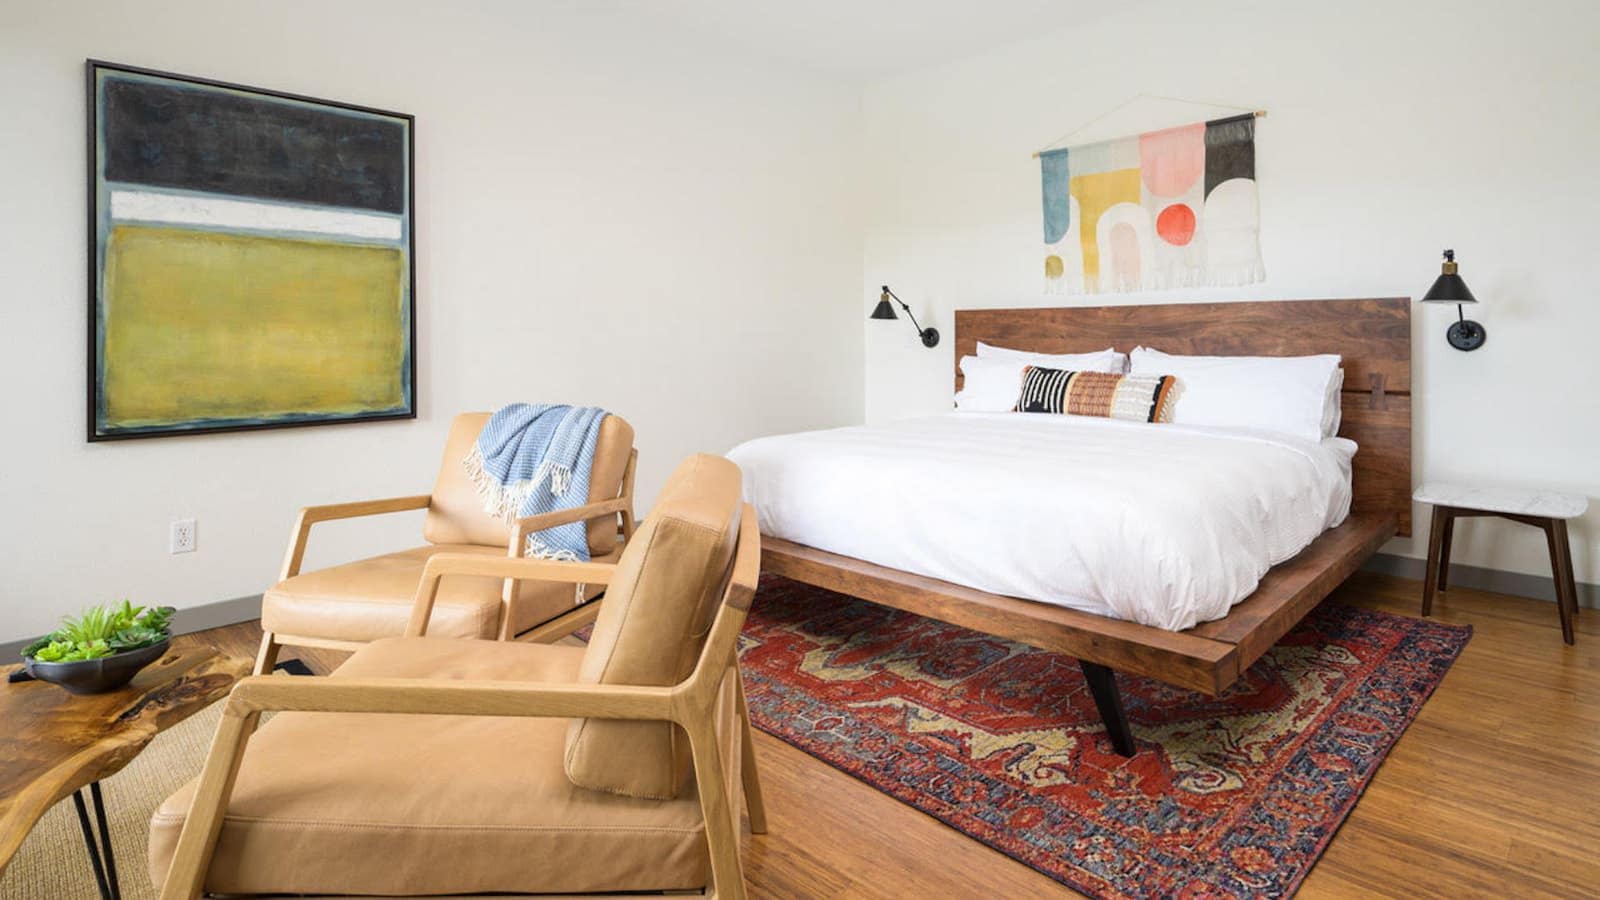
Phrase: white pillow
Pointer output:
(990, 385)
(1107, 360)
(1287, 394)
(1333, 412)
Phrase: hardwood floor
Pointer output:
(1494, 790)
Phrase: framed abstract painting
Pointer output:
(251, 258)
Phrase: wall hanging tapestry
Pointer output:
(1164, 209)
(251, 258)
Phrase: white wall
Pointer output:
(607, 214)
(1395, 130)
(613, 211)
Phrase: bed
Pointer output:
(939, 516)
(1163, 525)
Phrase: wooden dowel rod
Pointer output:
(1260, 114)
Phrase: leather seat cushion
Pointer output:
(371, 599)
(333, 803)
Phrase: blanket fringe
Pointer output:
(501, 501)
(537, 549)
(560, 479)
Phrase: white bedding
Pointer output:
(1165, 525)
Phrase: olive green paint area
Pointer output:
(207, 327)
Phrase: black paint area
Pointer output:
(208, 139)
(1230, 150)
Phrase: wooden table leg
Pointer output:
(1555, 531)
(1436, 561)
(1444, 548)
(1572, 579)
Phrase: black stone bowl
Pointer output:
(97, 676)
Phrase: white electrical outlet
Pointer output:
(182, 536)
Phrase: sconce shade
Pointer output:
(1449, 288)
(884, 310)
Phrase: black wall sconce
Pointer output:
(1464, 334)
(885, 310)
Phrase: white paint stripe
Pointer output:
(219, 212)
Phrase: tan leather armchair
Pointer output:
(501, 766)
(347, 606)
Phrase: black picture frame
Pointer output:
(96, 215)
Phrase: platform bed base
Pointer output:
(1207, 658)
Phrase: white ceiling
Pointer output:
(862, 40)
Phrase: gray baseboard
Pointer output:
(187, 621)
(1518, 584)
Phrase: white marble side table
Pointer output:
(1546, 510)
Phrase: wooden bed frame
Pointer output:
(1373, 337)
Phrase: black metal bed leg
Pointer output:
(106, 890)
(1103, 687)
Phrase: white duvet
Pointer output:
(1164, 525)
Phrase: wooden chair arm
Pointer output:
(311, 515)
(424, 696)
(529, 524)
(517, 568)
(358, 508)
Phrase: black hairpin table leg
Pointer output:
(1108, 700)
(100, 855)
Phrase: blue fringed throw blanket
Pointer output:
(533, 459)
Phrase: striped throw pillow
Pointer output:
(1136, 398)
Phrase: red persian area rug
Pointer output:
(1229, 797)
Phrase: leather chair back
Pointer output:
(456, 516)
(653, 625)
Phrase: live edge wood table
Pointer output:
(1545, 510)
(54, 744)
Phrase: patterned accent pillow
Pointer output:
(1136, 398)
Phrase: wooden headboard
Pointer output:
(1373, 337)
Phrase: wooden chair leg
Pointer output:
(1555, 532)
(1444, 549)
(754, 804)
(1564, 543)
(1430, 576)
(722, 830)
(267, 656)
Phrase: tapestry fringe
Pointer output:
(1234, 276)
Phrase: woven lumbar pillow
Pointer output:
(1136, 398)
